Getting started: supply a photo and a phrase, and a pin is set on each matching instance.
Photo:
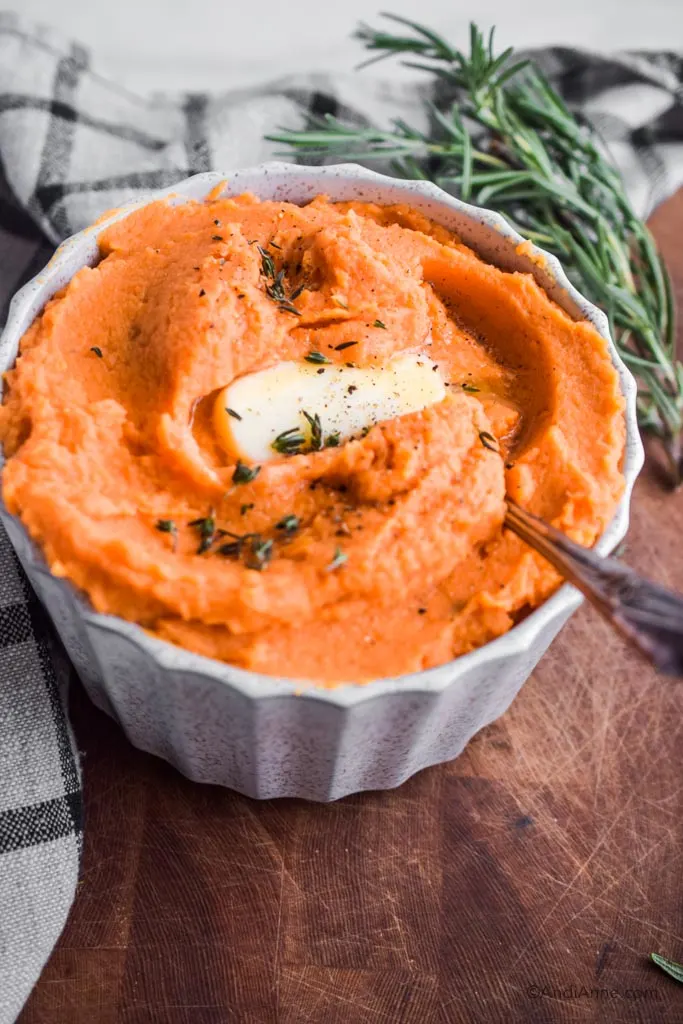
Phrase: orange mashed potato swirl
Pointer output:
(380, 557)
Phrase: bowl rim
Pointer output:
(521, 638)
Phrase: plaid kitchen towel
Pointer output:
(73, 145)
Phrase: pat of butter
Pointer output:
(256, 409)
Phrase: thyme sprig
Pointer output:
(256, 550)
(289, 442)
(317, 442)
(206, 525)
(293, 441)
(275, 282)
(502, 137)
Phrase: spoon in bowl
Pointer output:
(648, 615)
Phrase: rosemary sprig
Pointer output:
(504, 138)
(672, 968)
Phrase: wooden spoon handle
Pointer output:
(647, 614)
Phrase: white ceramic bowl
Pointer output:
(270, 737)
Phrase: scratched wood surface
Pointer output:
(525, 882)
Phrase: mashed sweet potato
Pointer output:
(379, 557)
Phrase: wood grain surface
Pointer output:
(525, 882)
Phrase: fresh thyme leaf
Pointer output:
(333, 440)
(504, 138)
(97, 350)
(233, 548)
(344, 344)
(168, 526)
(670, 966)
(316, 431)
(231, 412)
(340, 557)
(267, 264)
(470, 389)
(260, 553)
(275, 288)
(290, 523)
(488, 440)
(207, 531)
(289, 442)
(245, 474)
(378, 323)
(316, 357)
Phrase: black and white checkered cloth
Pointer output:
(73, 145)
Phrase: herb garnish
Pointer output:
(488, 440)
(216, 238)
(290, 523)
(339, 559)
(231, 412)
(316, 431)
(207, 531)
(670, 966)
(245, 474)
(97, 350)
(293, 442)
(168, 526)
(378, 323)
(258, 550)
(470, 389)
(289, 442)
(344, 344)
(502, 136)
(275, 288)
(259, 554)
(317, 357)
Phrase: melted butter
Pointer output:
(255, 410)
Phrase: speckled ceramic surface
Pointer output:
(270, 737)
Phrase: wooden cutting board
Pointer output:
(525, 882)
